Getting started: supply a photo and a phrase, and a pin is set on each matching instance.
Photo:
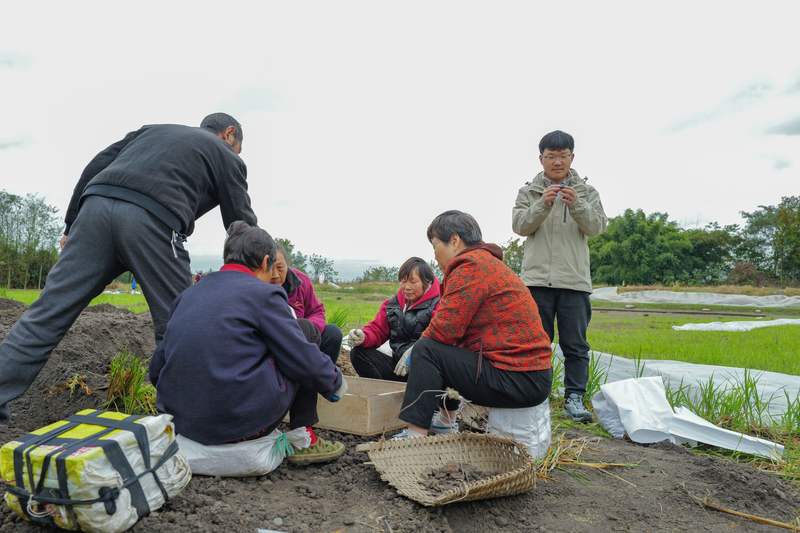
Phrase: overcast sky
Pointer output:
(364, 120)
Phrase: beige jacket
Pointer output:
(556, 253)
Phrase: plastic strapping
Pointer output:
(282, 445)
(112, 494)
(112, 451)
(138, 430)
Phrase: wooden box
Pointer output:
(370, 407)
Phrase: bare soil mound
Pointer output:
(107, 308)
(85, 353)
(349, 496)
(10, 306)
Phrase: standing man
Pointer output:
(558, 211)
(132, 209)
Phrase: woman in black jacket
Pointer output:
(400, 320)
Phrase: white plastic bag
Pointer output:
(249, 458)
(385, 349)
(529, 426)
(639, 407)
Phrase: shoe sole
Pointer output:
(317, 457)
(580, 418)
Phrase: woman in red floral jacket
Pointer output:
(486, 339)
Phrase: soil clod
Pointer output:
(452, 476)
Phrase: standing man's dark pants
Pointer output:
(107, 238)
(573, 311)
(331, 342)
(435, 366)
(373, 363)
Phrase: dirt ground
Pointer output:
(349, 496)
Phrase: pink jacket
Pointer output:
(303, 299)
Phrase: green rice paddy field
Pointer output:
(640, 333)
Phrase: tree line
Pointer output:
(647, 249)
(317, 266)
(637, 248)
(29, 231)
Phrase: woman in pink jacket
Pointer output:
(400, 320)
(307, 307)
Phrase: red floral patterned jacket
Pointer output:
(485, 308)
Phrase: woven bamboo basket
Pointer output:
(404, 463)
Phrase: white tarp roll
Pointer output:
(610, 294)
(639, 407)
(737, 325)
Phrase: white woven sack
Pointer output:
(249, 458)
(529, 426)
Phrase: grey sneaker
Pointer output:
(441, 425)
(406, 434)
(573, 405)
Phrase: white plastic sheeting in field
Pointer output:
(639, 408)
(702, 298)
(737, 325)
(772, 386)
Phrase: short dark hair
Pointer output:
(424, 270)
(248, 245)
(557, 140)
(217, 122)
(458, 223)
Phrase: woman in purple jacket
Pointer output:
(305, 303)
(234, 360)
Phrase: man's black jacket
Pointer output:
(178, 173)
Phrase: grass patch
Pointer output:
(737, 407)
(652, 337)
(133, 302)
(128, 392)
(339, 317)
(361, 303)
(77, 382)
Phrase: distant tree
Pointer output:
(512, 254)
(295, 258)
(29, 229)
(770, 240)
(640, 248)
(787, 240)
(712, 254)
(758, 238)
(322, 268)
(380, 273)
(746, 273)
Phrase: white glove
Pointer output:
(403, 365)
(356, 337)
(340, 392)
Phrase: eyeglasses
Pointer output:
(553, 158)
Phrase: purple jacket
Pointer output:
(303, 299)
(233, 358)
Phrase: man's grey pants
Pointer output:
(573, 311)
(108, 238)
